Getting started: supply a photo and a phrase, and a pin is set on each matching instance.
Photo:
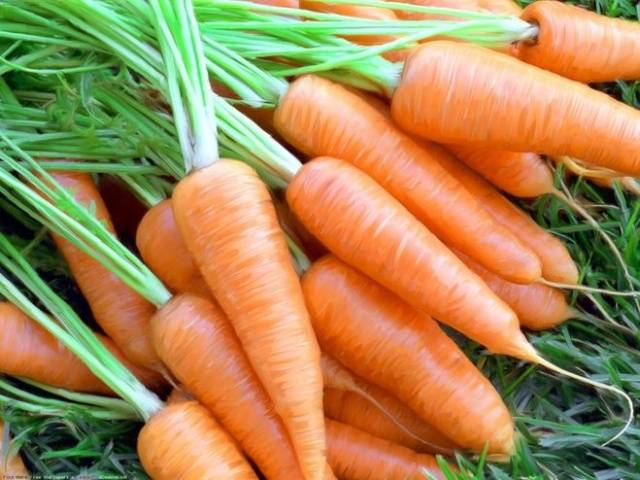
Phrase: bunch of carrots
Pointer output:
(290, 313)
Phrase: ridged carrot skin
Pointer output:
(519, 174)
(382, 339)
(246, 264)
(118, 309)
(365, 227)
(194, 339)
(165, 253)
(580, 44)
(456, 93)
(30, 351)
(538, 306)
(13, 467)
(356, 455)
(557, 264)
(360, 133)
(355, 410)
(184, 441)
(337, 377)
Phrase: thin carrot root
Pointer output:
(599, 385)
(337, 377)
(600, 176)
(566, 197)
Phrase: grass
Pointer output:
(562, 425)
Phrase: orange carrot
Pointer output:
(119, 310)
(380, 338)
(357, 132)
(505, 7)
(365, 227)
(355, 410)
(557, 264)
(471, 5)
(30, 351)
(178, 396)
(519, 174)
(188, 426)
(337, 377)
(581, 45)
(359, 11)
(356, 455)
(196, 342)
(538, 306)
(246, 264)
(163, 250)
(462, 94)
(11, 466)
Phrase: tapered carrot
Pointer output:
(195, 340)
(407, 354)
(520, 174)
(364, 226)
(163, 250)
(580, 44)
(356, 455)
(462, 94)
(30, 351)
(245, 262)
(337, 377)
(11, 466)
(557, 264)
(188, 426)
(119, 310)
(538, 306)
(355, 410)
(357, 132)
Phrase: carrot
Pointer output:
(538, 306)
(188, 426)
(461, 94)
(357, 132)
(196, 342)
(557, 264)
(519, 174)
(30, 351)
(356, 455)
(245, 262)
(355, 410)
(163, 250)
(178, 395)
(380, 338)
(11, 464)
(365, 227)
(337, 377)
(279, 3)
(360, 11)
(581, 45)
(505, 7)
(470, 5)
(118, 309)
